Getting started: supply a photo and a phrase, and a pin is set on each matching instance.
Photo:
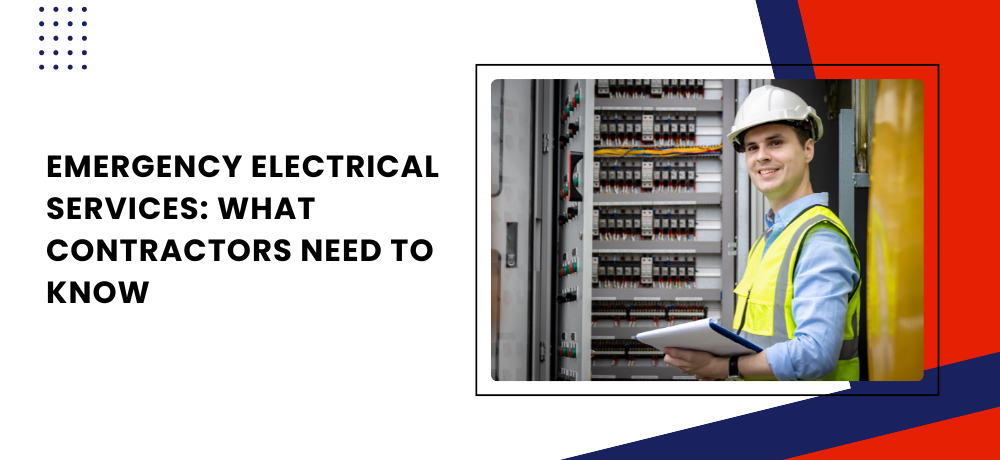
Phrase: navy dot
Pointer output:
(41, 38)
(71, 9)
(70, 52)
(84, 38)
(55, 24)
(70, 38)
(85, 67)
(56, 67)
(85, 23)
(84, 10)
(55, 52)
(41, 9)
(56, 38)
(41, 52)
(70, 24)
(41, 67)
(84, 52)
(70, 67)
(55, 8)
(41, 23)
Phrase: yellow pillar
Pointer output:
(896, 233)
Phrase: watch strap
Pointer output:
(734, 368)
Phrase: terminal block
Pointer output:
(645, 314)
(613, 353)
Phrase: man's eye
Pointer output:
(776, 143)
(752, 148)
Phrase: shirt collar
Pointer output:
(793, 209)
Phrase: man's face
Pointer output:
(776, 161)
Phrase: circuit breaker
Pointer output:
(647, 128)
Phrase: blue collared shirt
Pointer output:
(824, 277)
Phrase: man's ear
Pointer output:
(809, 150)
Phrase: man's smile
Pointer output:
(768, 172)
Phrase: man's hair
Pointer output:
(802, 134)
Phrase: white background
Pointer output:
(293, 359)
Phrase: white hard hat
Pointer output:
(769, 104)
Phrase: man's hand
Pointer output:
(702, 365)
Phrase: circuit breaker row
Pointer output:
(644, 271)
(654, 314)
(651, 89)
(645, 224)
(637, 128)
(655, 176)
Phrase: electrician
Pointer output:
(800, 295)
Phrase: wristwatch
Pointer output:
(734, 369)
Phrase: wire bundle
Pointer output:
(714, 150)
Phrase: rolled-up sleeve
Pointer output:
(825, 276)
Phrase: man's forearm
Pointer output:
(756, 367)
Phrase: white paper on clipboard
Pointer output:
(702, 335)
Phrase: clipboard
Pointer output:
(700, 335)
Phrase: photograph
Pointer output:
(707, 229)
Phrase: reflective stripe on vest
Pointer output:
(754, 292)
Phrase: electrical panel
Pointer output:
(645, 222)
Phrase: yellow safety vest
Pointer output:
(764, 307)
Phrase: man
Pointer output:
(799, 297)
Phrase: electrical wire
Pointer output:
(716, 150)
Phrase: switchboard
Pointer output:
(645, 219)
(636, 221)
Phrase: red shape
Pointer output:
(968, 436)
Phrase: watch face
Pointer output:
(733, 378)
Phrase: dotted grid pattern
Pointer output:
(68, 24)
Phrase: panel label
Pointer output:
(645, 377)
